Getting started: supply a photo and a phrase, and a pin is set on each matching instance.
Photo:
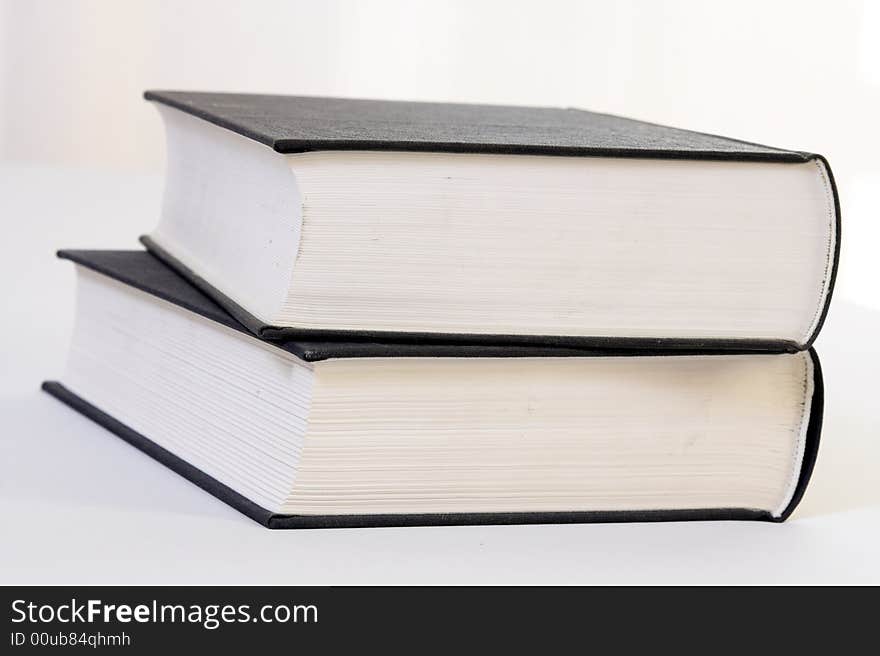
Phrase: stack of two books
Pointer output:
(363, 313)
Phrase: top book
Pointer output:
(324, 217)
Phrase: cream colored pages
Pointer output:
(504, 244)
(554, 434)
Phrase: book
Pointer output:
(365, 433)
(324, 218)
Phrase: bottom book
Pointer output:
(351, 434)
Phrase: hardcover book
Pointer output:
(368, 433)
(323, 218)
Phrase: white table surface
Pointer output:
(79, 505)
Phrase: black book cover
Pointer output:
(293, 124)
(143, 271)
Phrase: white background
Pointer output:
(81, 158)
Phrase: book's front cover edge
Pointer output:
(440, 344)
(178, 465)
(276, 521)
(290, 146)
(245, 318)
(88, 259)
